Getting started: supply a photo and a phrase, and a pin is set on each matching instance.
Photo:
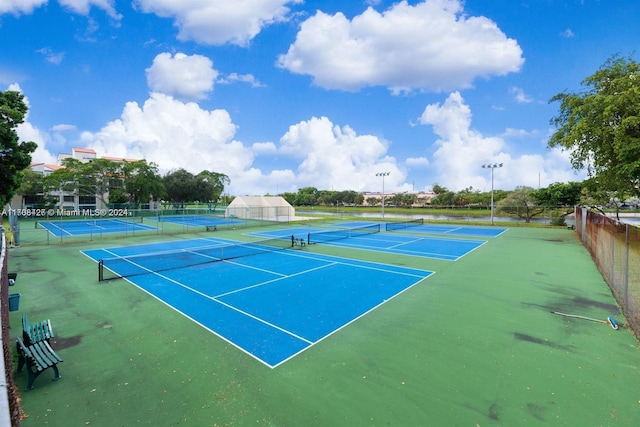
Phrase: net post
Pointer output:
(100, 271)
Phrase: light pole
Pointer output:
(383, 174)
(492, 166)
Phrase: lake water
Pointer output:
(389, 216)
(633, 220)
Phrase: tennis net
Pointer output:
(343, 233)
(134, 265)
(404, 224)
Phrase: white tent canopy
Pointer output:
(270, 208)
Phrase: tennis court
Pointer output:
(93, 226)
(447, 229)
(270, 302)
(368, 236)
(419, 226)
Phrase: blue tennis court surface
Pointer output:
(420, 246)
(92, 226)
(389, 242)
(274, 305)
(455, 230)
(445, 229)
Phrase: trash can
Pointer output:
(14, 302)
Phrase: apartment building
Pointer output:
(62, 199)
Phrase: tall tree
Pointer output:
(290, 198)
(32, 184)
(444, 197)
(601, 126)
(401, 199)
(596, 196)
(15, 156)
(182, 186)
(327, 198)
(522, 203)
(307, 196)
(349, 197)
(142, 182)
(211, 185)
(439, 189)
(93, 178)
(373, 201)
(559, 194)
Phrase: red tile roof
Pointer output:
(84, 150)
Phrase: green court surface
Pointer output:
(474, 344)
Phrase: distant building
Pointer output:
(421, 198)
(62, 199)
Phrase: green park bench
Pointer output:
(38, 357)
(36, 332)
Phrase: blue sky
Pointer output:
(284, 94)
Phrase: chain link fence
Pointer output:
(47, 227)
(10, 412)
(615, 248)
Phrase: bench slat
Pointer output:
(53, 356)
(42, 356)
(42, 331)
(36, 332)
(38, 357)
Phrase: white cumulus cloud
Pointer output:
(182, 76)
(27, 132)
(82, 7)
(461, 151)
(18, 7)
(334, 157)
(217, 22)
(174, 135)
(430, 46)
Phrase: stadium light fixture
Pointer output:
(383, 174)
(492, 166)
